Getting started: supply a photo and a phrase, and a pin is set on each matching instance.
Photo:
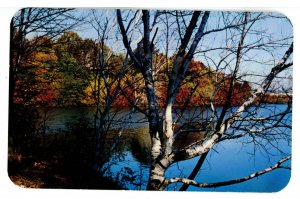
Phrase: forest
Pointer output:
(167, 86)
(62, 72)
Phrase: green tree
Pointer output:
(74, 80)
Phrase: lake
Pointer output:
(228, 160)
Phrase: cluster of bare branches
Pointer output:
(228, 41)
(154, 51)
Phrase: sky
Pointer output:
(258, 61)
(8, 190)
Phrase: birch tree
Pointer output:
(241, 37)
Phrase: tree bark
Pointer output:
(161, 163)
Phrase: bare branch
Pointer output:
(126, 41)
(231, 137)
(230, 182)
(195, 171)
(207, 144)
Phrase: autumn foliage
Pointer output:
(65, 72)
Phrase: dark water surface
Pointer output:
(228, 160)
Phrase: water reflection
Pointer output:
(229, 159)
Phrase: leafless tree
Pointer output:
(199, 34)
(108, 70)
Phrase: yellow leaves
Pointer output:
(44, 57)
(41, 58)
(89, 93)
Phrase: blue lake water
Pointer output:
(231, 160)
(228, 160)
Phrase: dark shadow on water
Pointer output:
(52, 160)
(65, 159)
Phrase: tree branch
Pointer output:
(208, 143)
(195, 171)
(126, 41)
(230, 182)
(234, 74)
(180, 54)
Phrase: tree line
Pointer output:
(61, 72)
(160, 63)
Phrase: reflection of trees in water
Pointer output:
(140, 145)
(138, 142)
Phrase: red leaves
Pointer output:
(272, 98)
(241, 92)
(46, 97)
(196, 66)
(41, 82)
